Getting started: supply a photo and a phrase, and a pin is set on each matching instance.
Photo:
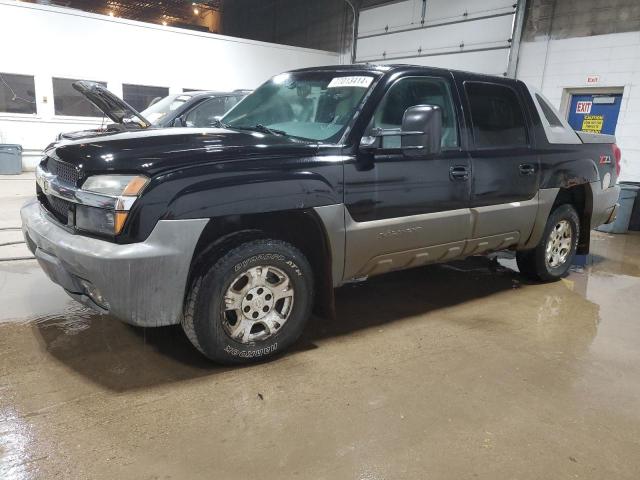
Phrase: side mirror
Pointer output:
(421, 130)
(420, 134)
(178, 122)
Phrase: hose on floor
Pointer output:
(17, 242)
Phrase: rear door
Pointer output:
(505, 167)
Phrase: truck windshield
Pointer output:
(157, 111)
(309, 105)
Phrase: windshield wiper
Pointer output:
(260, 128)
(273, 131)
(218, 124)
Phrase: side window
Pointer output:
(204, 114)
(496, 115)
(549, 114)
(231, 102)
(412, 91)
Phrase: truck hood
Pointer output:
(113, 107)
(156, 150)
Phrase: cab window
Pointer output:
(496, 115)
(412, 91)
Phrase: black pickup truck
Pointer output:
(319, 177)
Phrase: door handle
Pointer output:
(459, 173)
(527, 169)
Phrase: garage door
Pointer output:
(466, 35)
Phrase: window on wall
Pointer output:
(68, 101)
(412, 91)
(142, 96)
(496, 115)
(17, 93)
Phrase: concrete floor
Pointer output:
(458, 371)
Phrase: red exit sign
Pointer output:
(583, 107)
(591, 79)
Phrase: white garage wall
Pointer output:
(51, 42)
(461, 34)
(558, 66)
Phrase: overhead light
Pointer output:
(111, 13)
(164, 23)
(196, 11)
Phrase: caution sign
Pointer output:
(592, 123)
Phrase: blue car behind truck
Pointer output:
(319, 177)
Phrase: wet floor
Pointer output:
(457, 371)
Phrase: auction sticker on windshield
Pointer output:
(363, 82)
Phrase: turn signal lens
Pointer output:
(135, 186)
(120, 219)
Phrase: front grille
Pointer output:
(66, 172)
(57, 206)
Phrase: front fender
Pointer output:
(242, 187)
(250, 193)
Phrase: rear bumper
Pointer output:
(612, 214)
(605, 204)
(141, 283)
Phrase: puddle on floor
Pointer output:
(27, 294)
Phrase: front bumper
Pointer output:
(142, 283)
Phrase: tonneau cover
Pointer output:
(587, 137)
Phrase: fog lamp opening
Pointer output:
(91, 291)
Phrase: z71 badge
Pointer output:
(605, 159)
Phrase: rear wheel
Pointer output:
(551, 259)
(252, 303)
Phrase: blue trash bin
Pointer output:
(627, 197)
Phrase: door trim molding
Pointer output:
(362, 249)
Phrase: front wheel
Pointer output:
(552, 257)
(252, 303)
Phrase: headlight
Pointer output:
(116, 185)
(124, 189)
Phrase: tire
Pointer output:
(252, 303)
(537, 264)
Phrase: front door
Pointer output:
(404, 211)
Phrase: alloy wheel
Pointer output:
(257, 304)
(559, 244)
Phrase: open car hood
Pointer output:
(113, 107)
